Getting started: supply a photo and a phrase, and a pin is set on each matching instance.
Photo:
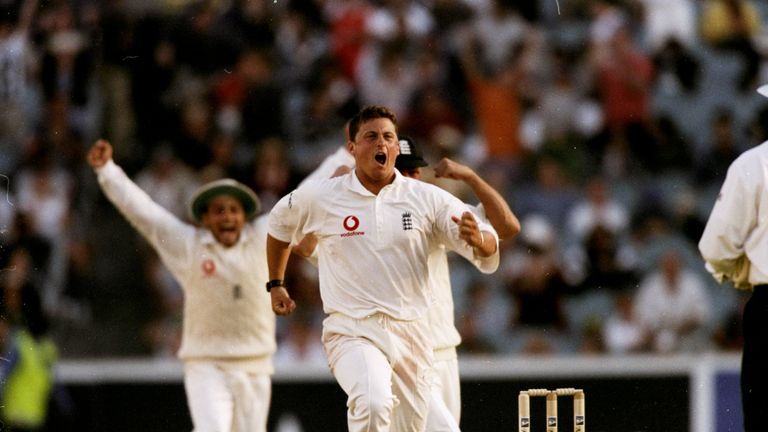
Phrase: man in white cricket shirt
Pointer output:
(493, 208)
(228, 326)
(734, 246)
(375, 230)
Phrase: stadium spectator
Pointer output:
(668, 20)
(673, 306)
(403, 20)
(606, 265)
(479, 319)
(535, 281)
(118, 45)
(495, 101)
(674, 155)
(29, 353)
(16, 88)
(498, 26)
(623, 78)
(347, 20)
(387, 74)
(732, 26)
(45, 195)
(623, 332)
(712, 164)
(670, 36)
(596, 208)
(550, 193)
(67, 67)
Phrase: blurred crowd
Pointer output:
(607, 124)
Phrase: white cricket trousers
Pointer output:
(226, 399)
(445, 406)
(384, 366)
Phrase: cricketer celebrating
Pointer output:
(375, 230)
(228, 334)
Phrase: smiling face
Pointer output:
(225, 218)
(375, 148)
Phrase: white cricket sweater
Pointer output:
(227, 311)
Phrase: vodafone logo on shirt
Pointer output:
(350, 224)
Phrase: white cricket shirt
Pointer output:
(373, 249)
(738, 224)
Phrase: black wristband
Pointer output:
(275, 283)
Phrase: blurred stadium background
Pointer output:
(607, 124)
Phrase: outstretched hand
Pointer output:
(99, 154)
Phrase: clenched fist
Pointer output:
(282, 303)
(99, 154)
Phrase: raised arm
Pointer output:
(496, 208)
(167, 233)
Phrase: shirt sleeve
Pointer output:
(164, 231)
(289, 216)
(448, 232)
(733, 218)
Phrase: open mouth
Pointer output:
(381, 158)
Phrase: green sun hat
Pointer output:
(233, 188)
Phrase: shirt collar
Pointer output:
(353, 183)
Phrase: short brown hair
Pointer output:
(367, 113)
